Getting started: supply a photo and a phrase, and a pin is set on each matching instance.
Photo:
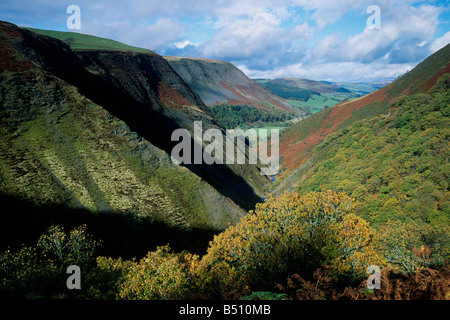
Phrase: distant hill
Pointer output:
(361, 88)
(314, 96)
(219, 81)
(234, 99)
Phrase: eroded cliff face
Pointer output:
(219, 81)
(92, 130)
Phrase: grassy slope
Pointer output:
(79, 41)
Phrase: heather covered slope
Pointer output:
(90, 130)
(297, 141)
(388, 150)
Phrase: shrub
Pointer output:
(410, 246)
(293, 234)
(161, 275)
(27, 274)
(75, 248)
(40, 271)
(373, 184)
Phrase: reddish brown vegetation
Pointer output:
(9, 60)
(171, 97)
(294, 152)
(426, 284)
(246, 92)
(432, 81)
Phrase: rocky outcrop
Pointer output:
(219, 81)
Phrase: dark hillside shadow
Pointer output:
(140, 117)
(22, 222)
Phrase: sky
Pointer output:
(326, 40)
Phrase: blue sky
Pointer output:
(313, 39)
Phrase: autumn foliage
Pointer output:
(293, 234)
(294, 246)
(161, 275)
(424, 284)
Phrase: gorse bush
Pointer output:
(293, 234)
(40, 271)
(161, 275)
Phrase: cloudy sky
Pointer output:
(313, 39)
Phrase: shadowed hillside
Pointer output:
(91, 130)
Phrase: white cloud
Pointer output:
(154, 36)
(288, 37)
(328, 12)
(333, 71)
(183, 44)
(439, 43)
(404, 39)
(402, 29)
(260, 35)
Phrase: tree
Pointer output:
(40, 271)
(75, 248)
(293, 234)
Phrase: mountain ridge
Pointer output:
(298, 139)
(219, 81)
(91, 129)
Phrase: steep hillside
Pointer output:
(388, 150)
(219, 82)
(297, 141)
(90, 130)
